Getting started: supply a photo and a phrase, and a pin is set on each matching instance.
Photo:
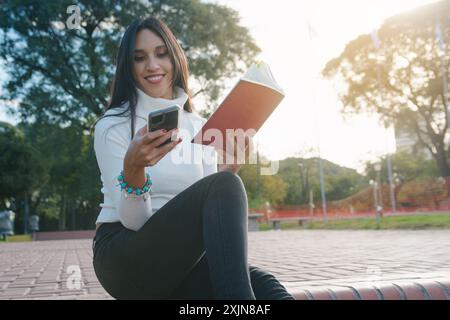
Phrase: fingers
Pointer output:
(166, 148)
(162, 151)
(161, 139)
(149, 137)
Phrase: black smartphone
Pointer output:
(166, 118)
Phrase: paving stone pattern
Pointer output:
(312, 264)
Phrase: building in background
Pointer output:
(406, 140)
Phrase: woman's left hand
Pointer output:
(237, 163)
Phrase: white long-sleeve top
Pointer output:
(177, 170)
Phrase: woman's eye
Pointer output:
(139, 58)
(162, 54)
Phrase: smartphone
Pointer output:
(166, 118)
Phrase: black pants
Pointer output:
(194, 247)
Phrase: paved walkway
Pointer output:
(304, 261)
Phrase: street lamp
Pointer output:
(379, 206)
(373, 183)
(304, 187)
(300, 165)
(375, 200)
(311, 203)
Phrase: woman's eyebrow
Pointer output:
(158, 47)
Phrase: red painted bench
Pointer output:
(419, 290)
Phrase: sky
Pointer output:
(309, 117)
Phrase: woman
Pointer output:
(167, 230)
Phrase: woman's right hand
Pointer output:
(144, 150)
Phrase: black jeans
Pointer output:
(194, 247)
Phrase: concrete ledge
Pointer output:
(420, 290)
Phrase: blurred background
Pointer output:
(361, 138)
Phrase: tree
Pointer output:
(302, 177)
(274, 189)
(21, 167)
(406, 168)
(402, 81)
(269, 188)
(62, 75)
(73, 182)
(19, 163)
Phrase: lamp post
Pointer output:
(26, 214)
(391, 184)
(322, 189)
(376, 205)
(311, 203)
(304, 187)
(379, 61)
(379, 208)
(300, 165)
(258, 172)
(373, 183)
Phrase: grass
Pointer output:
(17, 238)
(412, 222)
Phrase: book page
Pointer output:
(260, 74)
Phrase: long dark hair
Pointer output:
(124, 84)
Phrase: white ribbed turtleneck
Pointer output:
(111, 141)
(146, 103)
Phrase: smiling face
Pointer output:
(152, 66)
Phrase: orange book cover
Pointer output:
(248, 105)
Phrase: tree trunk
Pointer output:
(26, 214)
(62, 214)
(396, 192)
(441, 161)
(35, 204)
(442, 164)
(72, 214)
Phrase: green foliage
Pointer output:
(262, 188)
(406, 222)
(20, 163)
(293, 183)
(59, 176)
(414, 184)
(302, 176)
(61, 75)
(405, 167)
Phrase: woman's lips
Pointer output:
(154, 79)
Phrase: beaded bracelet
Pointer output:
(133, 192)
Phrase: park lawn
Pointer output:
(17, 238)
(410, 222)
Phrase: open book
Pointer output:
(247, 106)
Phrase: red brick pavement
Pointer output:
(311, 264)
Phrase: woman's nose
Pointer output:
(152, 64)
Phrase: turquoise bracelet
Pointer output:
(130, 190)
